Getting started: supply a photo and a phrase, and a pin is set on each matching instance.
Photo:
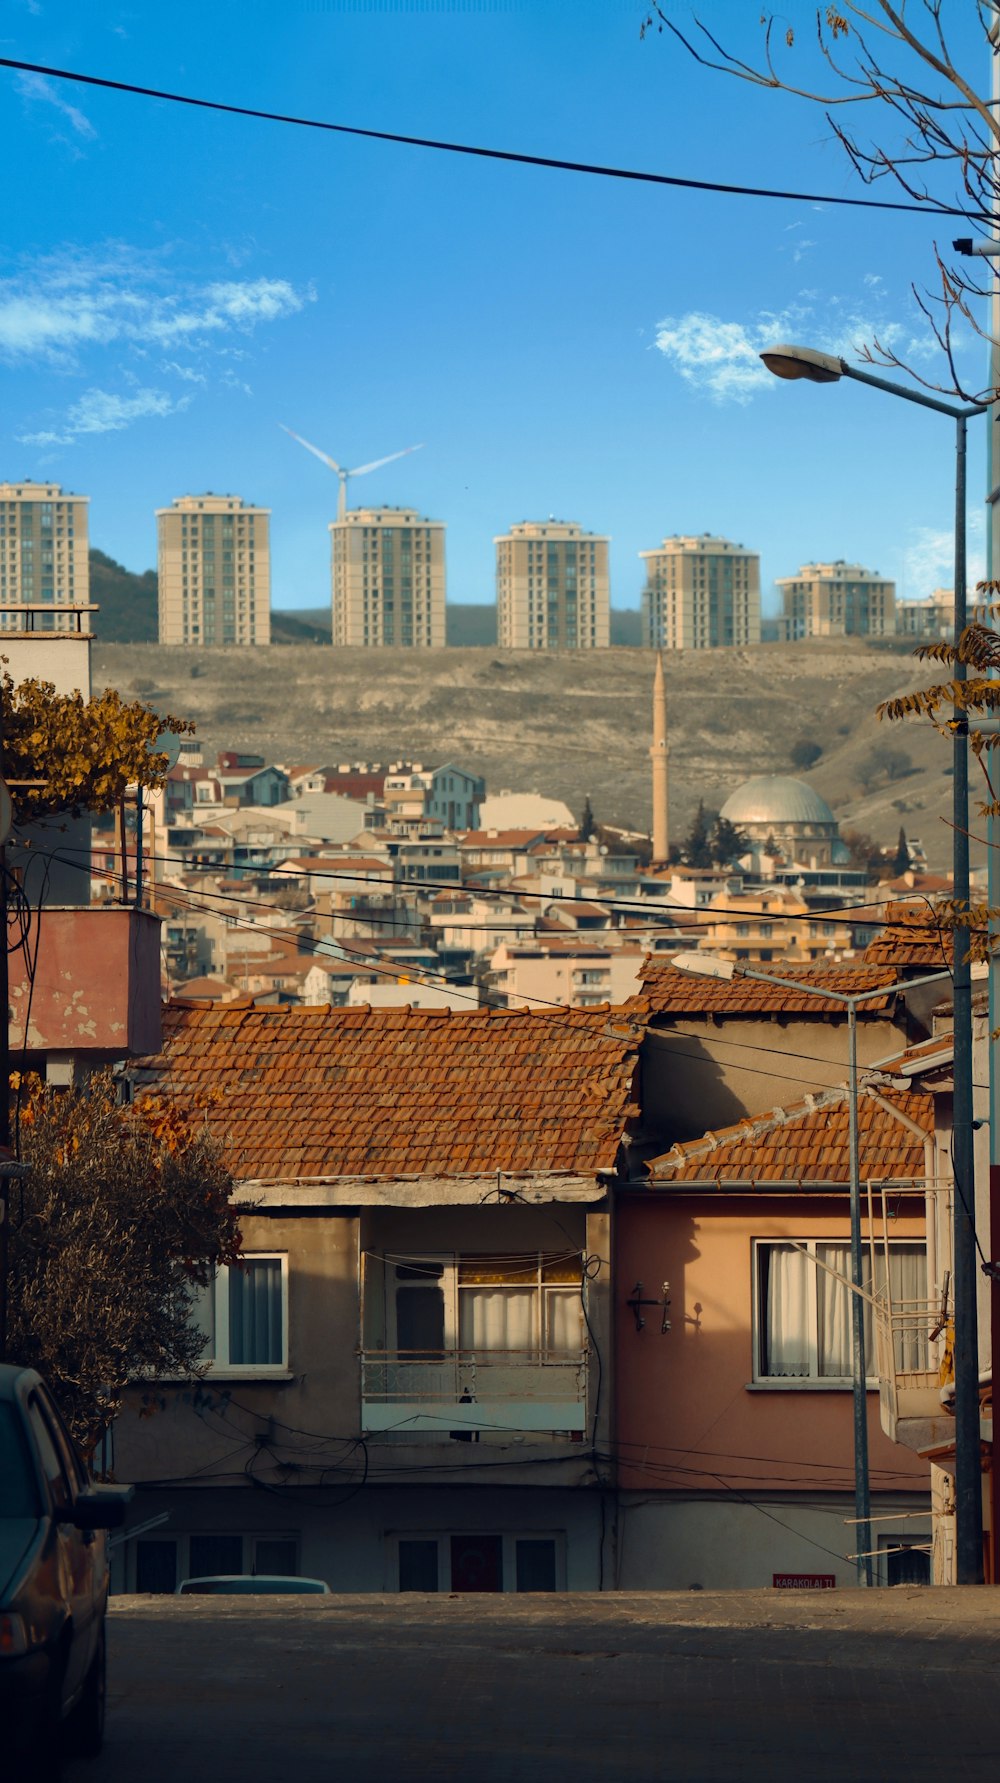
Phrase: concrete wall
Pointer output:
(322, 1390)
(702, 1074)
(674, 1543)
(196, 1423)
(347, 1534)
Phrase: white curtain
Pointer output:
(908, 1295)
(787, 1318)
(833, 1312)
(563, 1322)
(492, 1318)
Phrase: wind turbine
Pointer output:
(359, 470)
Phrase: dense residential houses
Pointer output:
(550, 1299)
(543, 1173)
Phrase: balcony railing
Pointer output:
(908, 1374)
(473, 1390)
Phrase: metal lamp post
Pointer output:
(797, 363)
(709, 968)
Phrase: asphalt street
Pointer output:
(715, 1685)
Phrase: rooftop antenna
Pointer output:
(359, 470)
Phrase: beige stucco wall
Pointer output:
(706, 1074)
(323, 1391)
(196, 1423)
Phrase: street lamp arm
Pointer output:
(956, 412)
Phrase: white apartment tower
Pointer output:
(701, 593)
(44, 558)
(553, 587)
(214, 559)
(388, 578)
(837, 600)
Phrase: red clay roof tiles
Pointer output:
(336, 1092)
(807, 1142)
(912, 937)
(668, 991)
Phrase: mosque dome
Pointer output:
(777, 800)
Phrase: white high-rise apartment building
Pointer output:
(553, 587)
(701, 593)
(214, 558)
(43, 556)
(837, 600)
(388, 578)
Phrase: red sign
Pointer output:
(803, 1581)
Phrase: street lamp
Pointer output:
(706, 967)
(806, 363)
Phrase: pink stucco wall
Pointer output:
(685, 1410)
(97, 983)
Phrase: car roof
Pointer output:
(15, 1380)
(255, 1578)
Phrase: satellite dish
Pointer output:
(168, 743)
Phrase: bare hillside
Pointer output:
(570, 725)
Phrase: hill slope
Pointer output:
(573, 724)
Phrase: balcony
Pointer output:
(464, 1391)
(909, 1376)
(469, 1326)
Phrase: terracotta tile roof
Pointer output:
(328, 1092)
(668, 991)
(206, 989)
(499, 838)
(911, 937)
(808, 1143)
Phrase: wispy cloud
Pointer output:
(721, 357)
(105, 411)
(36, 89)
(187, 372)
(55, 308)
(114, 313)
(929, 557)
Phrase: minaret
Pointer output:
(658, 757)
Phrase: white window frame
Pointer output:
(452, 1288)
(221, 1367)
(805, 1383)
(509, 1539)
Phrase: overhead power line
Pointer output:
(596, 170)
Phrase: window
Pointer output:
(474, 1560)
(243, 1317)
(904, 1560)
(160, 1562)
(803, 1313)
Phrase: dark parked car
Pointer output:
(53, 1582)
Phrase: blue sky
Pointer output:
(175, 284)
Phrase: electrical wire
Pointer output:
(839, 914)
(540, 1006)
(593, 169)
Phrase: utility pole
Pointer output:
(968, 1467)
(5, 1151)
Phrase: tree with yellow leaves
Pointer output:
(126, 1212)
(64, 754)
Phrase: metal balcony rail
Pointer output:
(907, 1365)
(450, 1377)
